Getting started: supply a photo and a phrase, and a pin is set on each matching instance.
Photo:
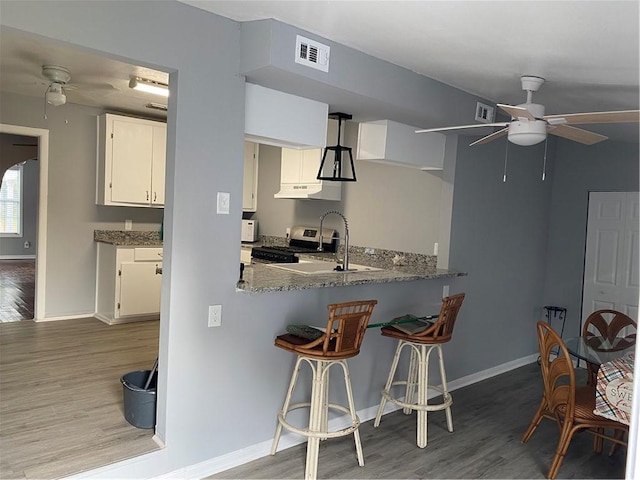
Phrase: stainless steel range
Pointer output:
(301, 240)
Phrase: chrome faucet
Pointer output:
(345, 263)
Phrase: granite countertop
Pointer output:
(259, 277)
(128, 238)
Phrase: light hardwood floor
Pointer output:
(489, 419)
(61, 403)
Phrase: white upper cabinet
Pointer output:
(282, 120)
(298, 176)
(131, 161)
(385, 141)
(250, 180)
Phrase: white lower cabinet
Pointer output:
(128, 284)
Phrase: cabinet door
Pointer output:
(310, 164)
(139, 288)
(131, 162)
(250, 179)
(290, 165)
(158, 164)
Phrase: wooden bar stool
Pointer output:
(421, 345)
(341, 340)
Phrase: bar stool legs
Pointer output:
(318, 412)
(417, 377)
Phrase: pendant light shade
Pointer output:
(339, 156)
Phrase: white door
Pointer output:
(611, 273)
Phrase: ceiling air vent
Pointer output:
(312, 54)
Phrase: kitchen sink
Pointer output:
(321, 268)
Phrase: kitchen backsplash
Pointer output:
(379, 258)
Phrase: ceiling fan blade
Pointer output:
(621, 116)
(577, 134)
(463, 127)
(489, 138)
(516, 112)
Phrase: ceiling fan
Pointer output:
(58, 77)
(529, 125)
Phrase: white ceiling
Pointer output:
(588, 51)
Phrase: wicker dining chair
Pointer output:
(614, 327)
(341, 340)
(421, 344)
(570, 406)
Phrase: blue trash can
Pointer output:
(139, 404)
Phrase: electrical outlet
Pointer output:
(369, 251)
(435, 248)
(128, 224)
(445, 291)
(223, 203)
(287, 233)
(215, 315)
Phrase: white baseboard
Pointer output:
(17, 257)
(240, 457)
(63, 317)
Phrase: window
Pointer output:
(11, 202)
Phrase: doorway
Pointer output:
(18, 221)
(611, 271)
(41, 137)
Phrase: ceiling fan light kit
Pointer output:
(55, 95)
(149, 86)
(526, 133)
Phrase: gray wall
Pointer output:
(389, 207)
(605, 167)
(499, 236)
(14, 246)
(72, 212)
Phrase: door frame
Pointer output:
(41, 229)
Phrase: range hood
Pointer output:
(325, 191)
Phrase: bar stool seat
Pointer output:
(420, 345)
(341, 340)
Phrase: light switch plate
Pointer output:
(223, 203)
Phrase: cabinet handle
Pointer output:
(155, 196)
(147, 195)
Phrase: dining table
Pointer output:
(615, 360)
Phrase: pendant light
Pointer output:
(338, 153)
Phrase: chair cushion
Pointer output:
(305, 331)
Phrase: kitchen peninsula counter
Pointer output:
(261, 278)
(128, 238)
